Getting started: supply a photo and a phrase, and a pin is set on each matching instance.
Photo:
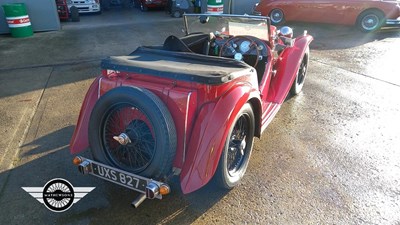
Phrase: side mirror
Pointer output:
(286, 32)
(204, 19)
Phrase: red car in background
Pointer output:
(144, 5)
(367, 15)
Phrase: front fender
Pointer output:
(209, 134)
(287, 66)
(79, 140)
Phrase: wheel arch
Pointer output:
(212, 125)
(273, 7)
(80, 140)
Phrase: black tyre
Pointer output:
(238, 146)
(370, 20)
(105, 4)
(136, 3)
(74, 14)
(127, 3)
(140, 115)
(143, 7)
(277, 17)
(176, 14)
(298, 82)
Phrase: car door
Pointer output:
(334, 11)
(319, 11)
(296, 10)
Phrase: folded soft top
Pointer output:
(179, 65)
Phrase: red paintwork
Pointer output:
(343, 12)
(278, 90)
(79, 140)
(154, 3)
(203, 112)
(208, 134)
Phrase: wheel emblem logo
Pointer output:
(58, 195)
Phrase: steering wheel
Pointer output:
(232, 48)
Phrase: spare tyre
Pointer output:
(130, 128)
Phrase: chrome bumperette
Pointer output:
(256, 13)
(393, 22)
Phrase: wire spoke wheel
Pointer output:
(238, 146)
(298, 82)
(137, 154)
(301, 73)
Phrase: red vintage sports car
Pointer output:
(191, 107)
(144, 5)
(367, 15)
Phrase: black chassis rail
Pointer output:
(148, 188)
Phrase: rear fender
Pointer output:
(79, 140)
(287, 66)
(209, 134)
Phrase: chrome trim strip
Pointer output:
(98, 94)
(393, 22)
(185, 131)
(185, 22)
(227, 15)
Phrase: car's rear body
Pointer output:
(191, 86)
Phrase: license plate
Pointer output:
(120, 177)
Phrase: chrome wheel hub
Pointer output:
(123, 139)
(370, 22)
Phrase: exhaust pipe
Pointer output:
(139, 200)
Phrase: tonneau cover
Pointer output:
(179, 65)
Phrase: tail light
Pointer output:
(110, 73)
(77, 160)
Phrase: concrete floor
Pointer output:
(329, 157)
